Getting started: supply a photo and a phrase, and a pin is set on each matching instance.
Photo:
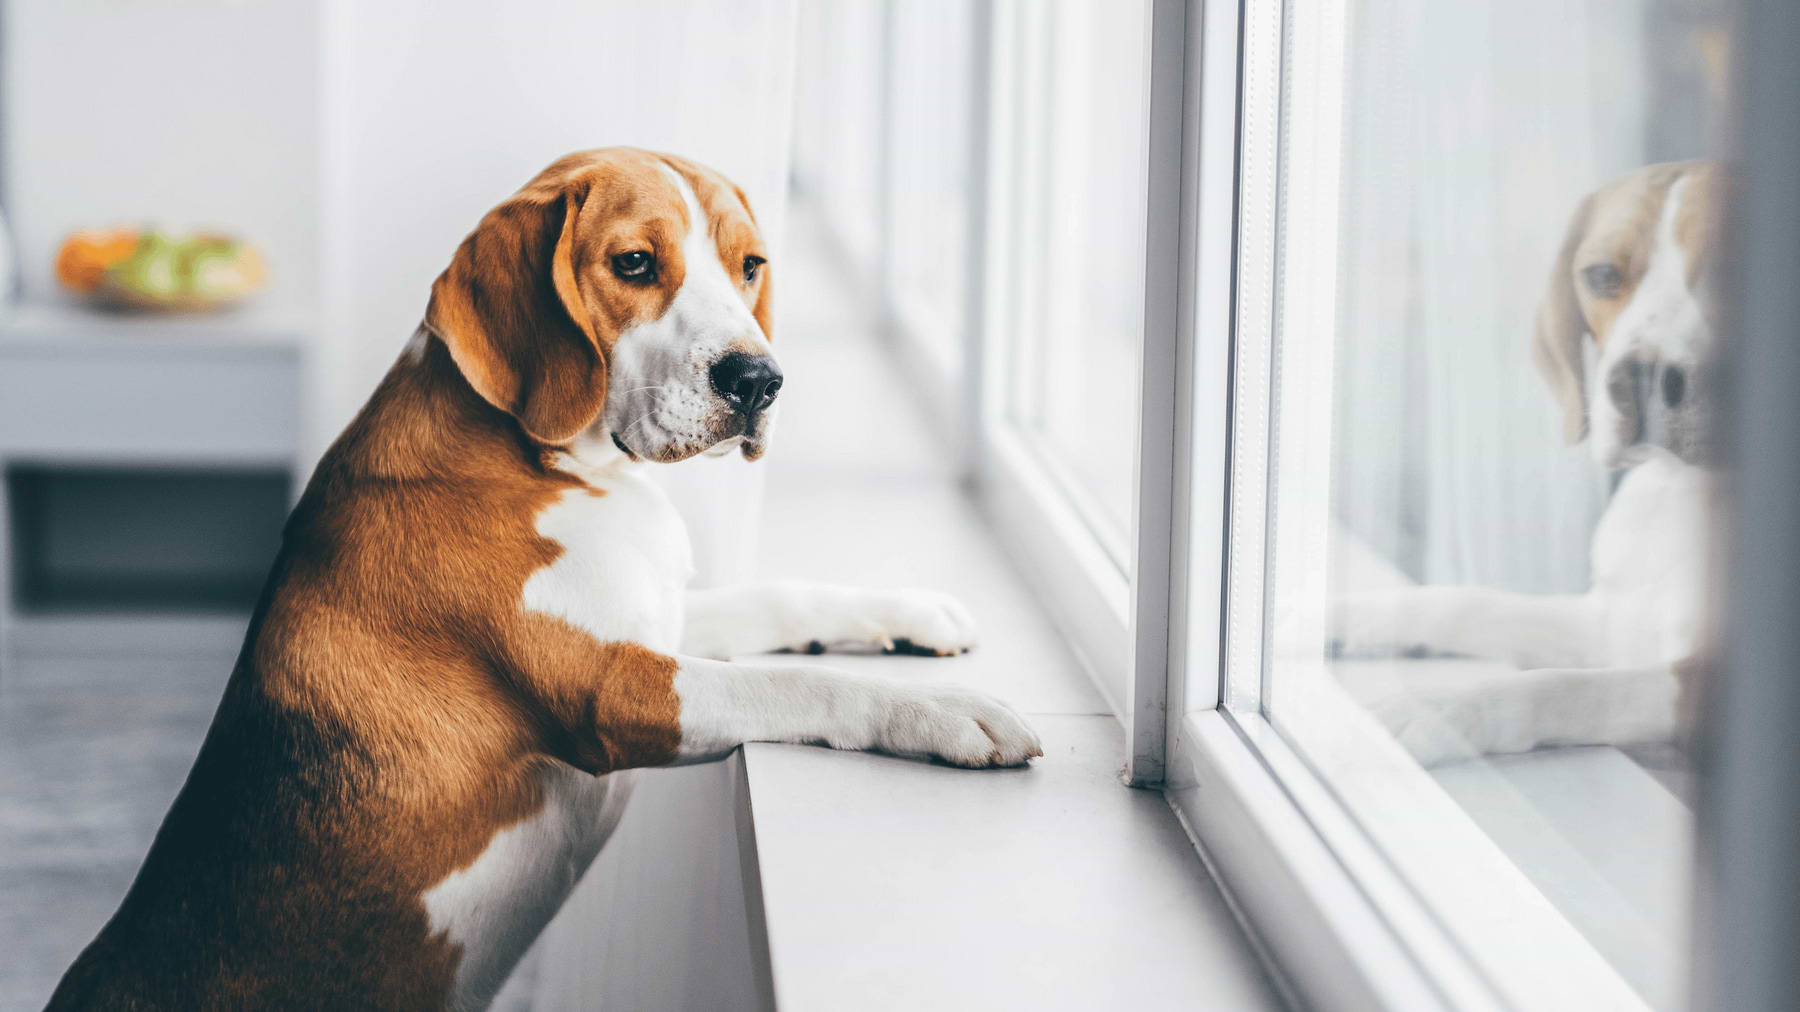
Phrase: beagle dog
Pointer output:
(1633, 291)
(478, 620)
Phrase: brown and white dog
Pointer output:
(1634, 274)
(479, 617)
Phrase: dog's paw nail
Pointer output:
(907, 648)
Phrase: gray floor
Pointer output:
(92, 750)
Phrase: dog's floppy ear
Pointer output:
(510, 312)
(1556, 346)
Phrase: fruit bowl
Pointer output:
(159, 272)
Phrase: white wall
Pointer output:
(669, 916)
(200, 113)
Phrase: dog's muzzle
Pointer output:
(1661, 403)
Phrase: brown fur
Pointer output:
(392, 701)
(1615, 225)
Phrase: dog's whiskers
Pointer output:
(661, 389)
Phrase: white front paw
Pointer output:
(958, 725)
(925, 622)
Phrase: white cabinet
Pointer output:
(147, 465)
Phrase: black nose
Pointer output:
(748, 383)
(1674, 385)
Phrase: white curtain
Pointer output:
(1472, 131)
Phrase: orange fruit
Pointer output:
(82, 261)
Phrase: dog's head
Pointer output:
(1636, 273)
(620, 296)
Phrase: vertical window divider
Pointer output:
(1253, 311)
(1748, 902)
(985, 153)
(1204, 461)
(998, 235)
(1159, 528)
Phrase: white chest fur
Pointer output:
(496, 907)
(622, 576)
(1650, 561)
(625, 565)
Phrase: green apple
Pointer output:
(152, 270)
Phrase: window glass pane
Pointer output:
(1491, 458)
(931, 101)
(1080, 185)
(837, 128)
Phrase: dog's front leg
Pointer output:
(724, 705)
(608, 706)
(1518, 711)
(1531, 630)
(809, 617)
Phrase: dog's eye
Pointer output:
(751, 266)
(636, 264)
(1603, 280)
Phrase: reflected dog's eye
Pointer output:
(751, 266)
(634, 266)
(1604, 280)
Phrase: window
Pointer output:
(1009, 207)
(932, 99)
(837, 136)
(1076, 250)
(1064, 280)
(1411, 643)
(1298, 363)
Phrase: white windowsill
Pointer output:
(889, 884)
(1604, 841)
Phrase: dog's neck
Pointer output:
(592, 454)
(425, 423)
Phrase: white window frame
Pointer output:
(1309, 846)
(1747, 923)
